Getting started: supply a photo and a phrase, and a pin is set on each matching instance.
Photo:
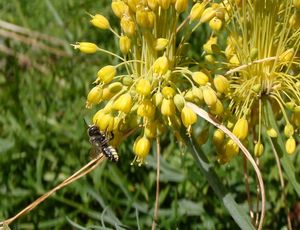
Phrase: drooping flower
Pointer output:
(262, 69)
(148, 89)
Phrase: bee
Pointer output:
(99, 141)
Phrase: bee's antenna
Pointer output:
(87, 124)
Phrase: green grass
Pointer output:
(43, 140)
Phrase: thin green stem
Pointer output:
(155, 217)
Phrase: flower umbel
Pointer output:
(148, 89)
(263, 68)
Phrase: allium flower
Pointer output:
(148, 89)
(263, 68)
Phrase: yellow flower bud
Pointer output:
(123, 103)
(258, 149)
(150, 130)
(151, 19)
(115, 87)
(128, 26)
(296, 115)
(141, 18)
(221, 13)
(164, 4)
(98, 115)
(290, 145)
(296, 119)
(196, 11)
(215, 24)
(167, 107)
(221, 84)
(297, 110)
(108, 107)
(179, 101)
(168, 92)
(200, 78)
(181, 5)
(157, 98)
(146, 109)
(100, 21)
(297, 4)
(188, 116)
(210, 59)
(106, 74)
(161, 44)
(127, 80)
(107, 94)
(105, 122)
(94, 97)
(295, 20)
(144, 18)
(152, 4)
(256, 88)
(141, 149)
(229, 51)
(287, 55)
(240, 129)
(207, 15)
(133, 4)
(272, 133)
(119, 8)
(218, 108)
(86, 47)
(231, 149)
(218, 137)
(161, 65)
(208, 45)
(209, 96)
(198, 94)
(234, 60)
(288, 130)
(253, 53)
(125, 44)
(189, 96)
(143, 87)
(290, 105)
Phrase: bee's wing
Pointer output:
(95, 152)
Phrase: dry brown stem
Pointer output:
(202, 113)
(81, 172)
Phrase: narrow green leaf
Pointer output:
(75, 225)
(236, 212)
(278, 143)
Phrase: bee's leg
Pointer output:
(111, 135)
(105, 132)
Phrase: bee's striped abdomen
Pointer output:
(110, 153)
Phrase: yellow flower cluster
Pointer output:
(263, 68)
(148, 90)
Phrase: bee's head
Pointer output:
(93, 130)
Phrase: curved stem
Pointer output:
(282, 185)
(249, 200)
(202, 113)
(155, 216)
(81, 172)
(110, 53)
(249, 64)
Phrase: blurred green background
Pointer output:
(43, 140)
